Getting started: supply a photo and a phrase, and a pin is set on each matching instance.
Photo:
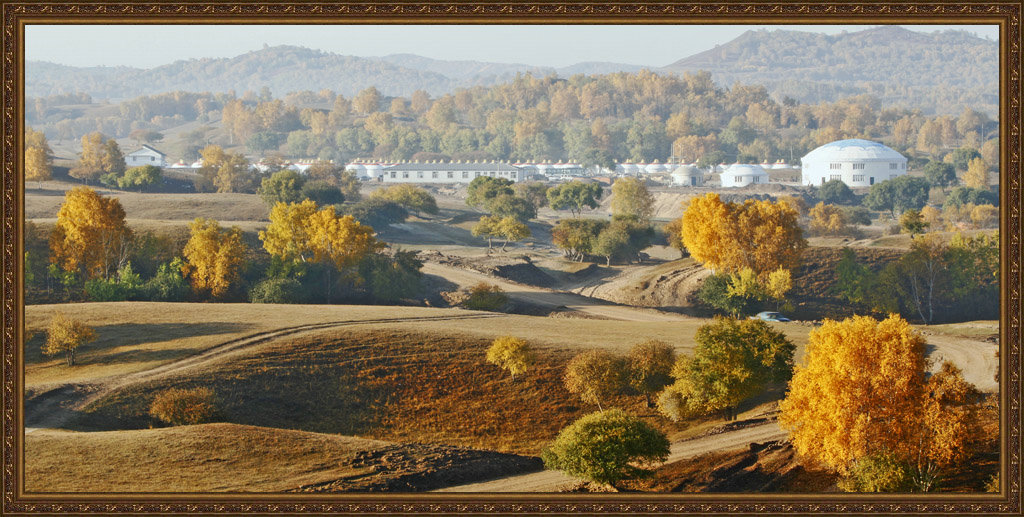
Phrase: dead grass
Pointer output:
(44, 203)
(202, 458)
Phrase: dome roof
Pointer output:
(685, 171)
(853, 149)
(744, 169)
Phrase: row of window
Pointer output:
(860, 166)
(451, 174)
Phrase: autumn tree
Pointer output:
(650, 367)
(91, 236)
(779, 283)
(535, 192)
(577, 237)
(99, 156)
(861, 390)
(512, 230)
(65, 335)
(977, 174)
(733, 361)
(515, 207)
(213, 256)
(673, 231)
(761, 235)
(337, 176)
(338, 241)
(606, 447)
(595, 375)
(985, 216)
(630, 197)
(511, 354)
(411, 197)
(38, 156)
(827, 220)
(367, 101)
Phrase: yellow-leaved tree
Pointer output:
(977, 174)
(38, 156)
(65, 335)
(778, 284)
(286, 237)
(91, 236)
(861, 393)
(214, 256)
(726, 237)
(827, 220)
(511, 354)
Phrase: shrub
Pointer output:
(511, 354)
(485, 297)
(716, 293)
(322, 192)
(126, 286)
(168, 285)
(606, 447)
(877, 473)
(650, 367)
(278, 290)
(178, 406)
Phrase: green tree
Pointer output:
(912, 222)
(650, 367)
(606, 447)
(940, 174)
(512, 230)
(613, 241)
(489, 228)
(836, 192)
(574, 196)
(534, 192)
(284, 186)
(733, 360)
(322, 193)
(409, 197)
(577, 237)
(506, 206)
(898, 195)
(142, 177)
(485, 188)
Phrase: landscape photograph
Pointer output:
(495, 259)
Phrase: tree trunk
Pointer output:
(503, 245)
(71, 357)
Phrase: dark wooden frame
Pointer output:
(17, 14)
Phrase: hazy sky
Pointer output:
(147, 46)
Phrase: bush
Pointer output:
(378, 213)
(391, 278)
(168, 285)
(177, 406)
(278, 290)
(877, 473)
(596, 375)
(485, 297)
(606, 447)
(715, 293)
(126, 286)
(323, 193)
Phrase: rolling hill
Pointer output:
(933, 71)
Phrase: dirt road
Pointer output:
(553, 481)
(549, 298)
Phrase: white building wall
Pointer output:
(144, 157)
(853, 173)
(439, 175)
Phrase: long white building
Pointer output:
(439, 171)
(856, 162)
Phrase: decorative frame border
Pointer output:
(16, 14)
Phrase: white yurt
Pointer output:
(743, 174)
(359, 170)
(858, 163)
(688, 175)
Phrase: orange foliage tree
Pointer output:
(91, 235)
(213, 256)
(761, 235)
(861, 392)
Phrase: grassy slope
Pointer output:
(212, 457)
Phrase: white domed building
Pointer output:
(688, 176)
(856, 162)
(742, 174)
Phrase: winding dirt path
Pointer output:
(551, 298)
(553, 481)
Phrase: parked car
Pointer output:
(769, 316)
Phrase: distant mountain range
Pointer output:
(943, 70)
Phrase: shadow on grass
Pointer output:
(130, 334)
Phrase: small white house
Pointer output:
(742, 174)
(688, 176)
(145, 156)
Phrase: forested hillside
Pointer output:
(599, 119)
(937, 73)
(898, 66)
